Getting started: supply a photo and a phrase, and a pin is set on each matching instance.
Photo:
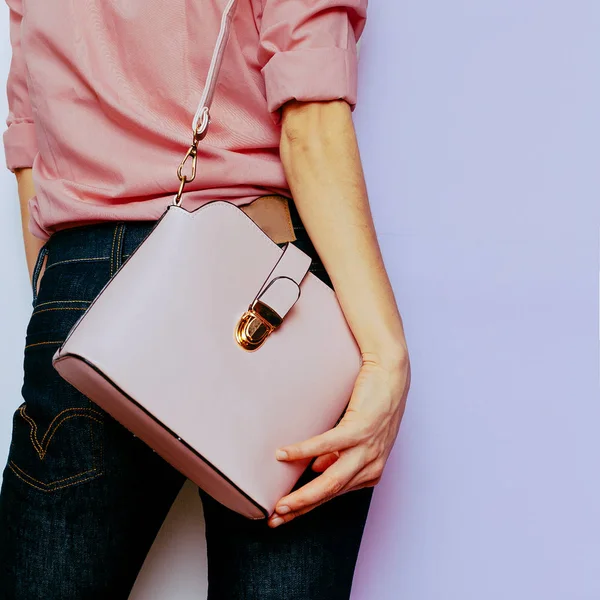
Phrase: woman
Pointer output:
(100, 99)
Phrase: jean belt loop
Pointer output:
(116, 251)
(120, 244)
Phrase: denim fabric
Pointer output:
(82, 499)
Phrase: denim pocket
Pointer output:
(53, 449)
(57, 435)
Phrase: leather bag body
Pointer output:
(159, 350)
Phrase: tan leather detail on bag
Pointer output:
(272, 215)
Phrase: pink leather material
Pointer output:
(293, 263)
(281, 295)
(281, 289)
(89, 381)
(162, 331)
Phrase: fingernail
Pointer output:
(276, 521)
(282, 510)
(281, 455)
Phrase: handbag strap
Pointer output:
(215, 67)
(202, 116)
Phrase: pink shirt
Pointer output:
(102, 93)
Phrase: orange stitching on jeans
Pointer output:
(32, 428)
(63, 302)
(37, 312)
(47, 490)
(14, 464)
(39, 445)
(60, 423)
(119, 245)
(66, 410)
(112, 250)
(43, 343)
(72, 260)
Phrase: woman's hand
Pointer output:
(353, 454)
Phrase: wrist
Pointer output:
(390, 356)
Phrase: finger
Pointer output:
(324, 461)
(369, 475)
(276, 519)
(338, 438)
(369, 483)
(325, 486)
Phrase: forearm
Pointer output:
(320, 156)
(26, 192)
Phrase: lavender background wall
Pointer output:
(478, 125)
(479, 128)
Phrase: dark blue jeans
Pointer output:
(82, 499)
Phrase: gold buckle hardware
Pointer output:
(255, 325)
(192, 153)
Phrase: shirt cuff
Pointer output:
(315, 74)
(20, 145)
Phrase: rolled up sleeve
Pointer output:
(308, 50)
(20, 146)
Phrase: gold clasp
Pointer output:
(192, 153)
(255, 325)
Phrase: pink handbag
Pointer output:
(215, 345)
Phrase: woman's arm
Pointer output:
(27, 191)
(321, 159)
